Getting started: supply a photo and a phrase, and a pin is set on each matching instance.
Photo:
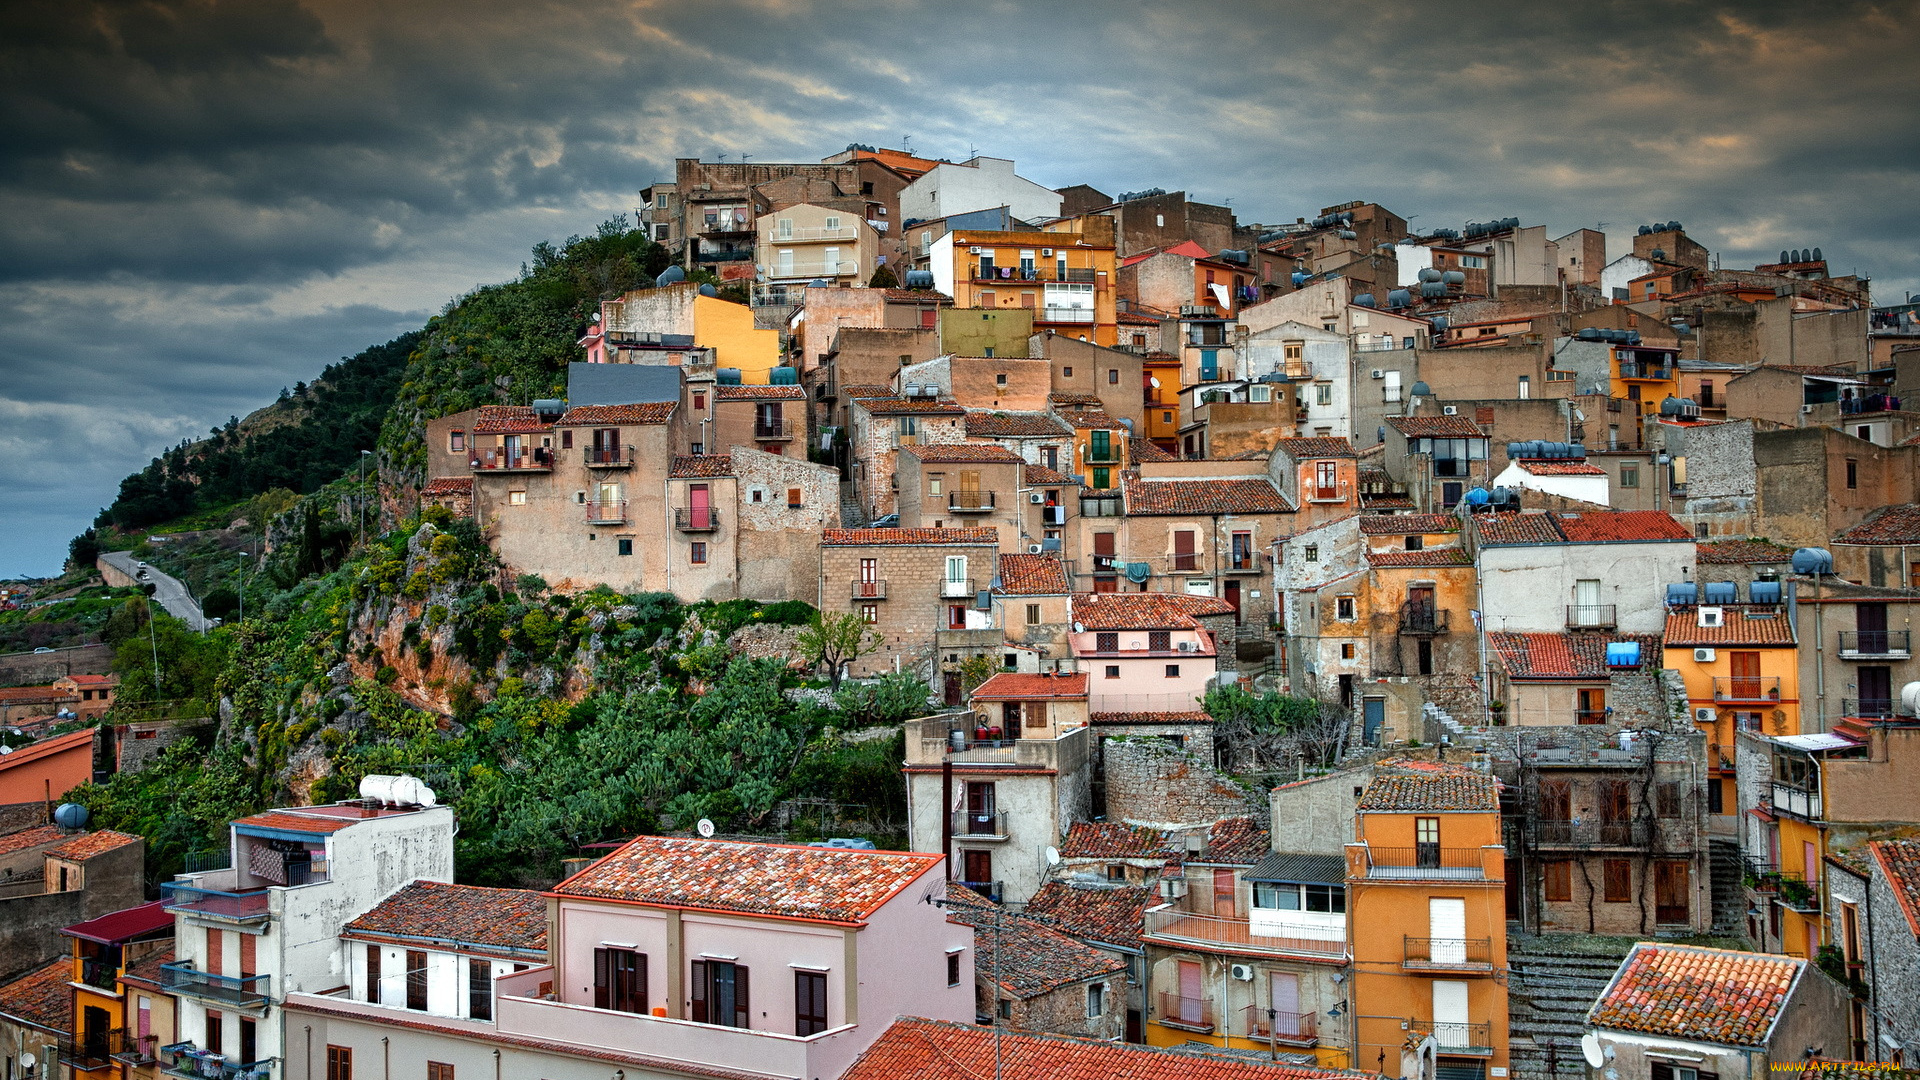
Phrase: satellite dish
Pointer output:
(1053, 856)
(1590, 1046)
(704, 828)
(27, 1061)
(1155, 382)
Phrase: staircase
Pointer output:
(1555, 979)
(1727, 875)
(1437, 715)
(852, 514)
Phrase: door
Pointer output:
(606, 445)
(1421, 612)
(609, 502)
(1285, 988)
(1136, 1029)
(1746, 675)
(1326, 483)
(1426, 842)
(956, 575)
(1451, 1023)
(1616, 812)
(94, 1025)
(1876, 691)
(1231, 593)
(1555, 819)
(1190, 1000)
(950, 687)
(1593, 706)
(869, 577)
(699, 505)
(1223, 905)
(720, 993)
(1103, 552)
(978, 866)
(1670, 890)
(969, 494)
(510, 455)
(1586, 602)
(1447, 929)
(980, 810)
(1100, 446)
(1374, 713)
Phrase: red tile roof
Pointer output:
(1739, 625)
(1025, 958)
(147, 969)
(294, 821)
(1107, 914)
(1742, 552)
(1898, 524)
(1032, 575)
(1621, 526)
(37, 836)
(1437, 427)
(1144, 611)
(1433, 787)
(1498, 530)
(646, 412)
(1433, 557)
(1012, 685)
(917, 1049)
(759, 393)
(1073, 399)
(1093, 419)
(42, 997)
(904, 537)
(116, 927)
(92, 845)
(695, 466)
(920, 295)
(1134, 318)
(1004, 425)
(867, 390)
(1040, 474)
(827, 884)
(1113, 840)
(1317, 447)
(1560, 468)
(27, 695)
(114, 680)
(1688, 992)
(1247, 455)
(507, 420)
(501, 920)
(448, 485)
(1576, 655)
(1142, 450)
(1408, 524)
(1900, 861)
(1236, 841)
(910, 407)
(1122, 718)
(1219, 496)
(961, 453)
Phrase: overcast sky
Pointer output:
(202, 201)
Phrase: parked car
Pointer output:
(42, 649)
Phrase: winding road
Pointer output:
(170, 591)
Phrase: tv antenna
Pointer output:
(906, 144)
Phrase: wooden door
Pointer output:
(1190, 1000)
(1871, 622)
(1231, 593)
(1746, 675)
(1447, 929)
(1420, 605)
(1223, 905)
(1670, 890)
(980, 806)
(700, 505)
(978, 866)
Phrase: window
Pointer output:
(1260, 394)
(697, 553)
(1619, 881)
(1473, 262)
(1347, 650)
(1323, 393)
(620, 980)
(699, 399)
(1106, 641)
(810, 1001)
(1033, 614)
(480, 989)
(1667, 799)
(1000, 379)
(457, 440)
(1559, 881)
(935, 481)
(1160, 640)
(720, 994)
(516, 498)
(1113, 376)
(1096, 1000)
(1330, 899)
(625, 545)
(566, 439)
(1313, 552)
(439, 1070)
(417, 980)
(216, 1032)
(870, 613)
(1006, 1009)
(1113, 671)
(1173, 671)
(953, 969)
(1416, 543)
(1343, 608)
(1853, 473)
(339, 1063)
(1629, 476)
(1117, 872)
(373, 974)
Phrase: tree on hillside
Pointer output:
(835, 640)
(84, 550)
(883, 278)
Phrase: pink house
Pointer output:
(1145, 651)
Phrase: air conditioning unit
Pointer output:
(1704, 716)
(1046, 253)
(1379, 374)
(973, 251)
(1804, 409)
(1034, 549)
(1036, 498)
(1186, 646)
(1449, 410)
(1242, 972)
(1712, 616)
(1703, 656)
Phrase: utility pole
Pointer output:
(363, 497)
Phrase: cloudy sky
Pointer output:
(202, 201)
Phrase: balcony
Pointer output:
(953, 588)
(696, 519)
(1466, 955)
(1424, 862)
(1633, 369)
(1077, 315)
(1590, 617)
(192, 1063)
(870, 590)
(1243, 563)
(134, 1050)
(1798, 801)
(1746, 688)
(1108, 455)
(212, 904)
(816, 233)
(980, 825)
(723, 256)
(1321, 493)
(234, 991)
(772, 430)
(1320, 942)
(538, 459)
(1875, 645)
(970, 502)
(1590, 716)
(1185, 1013)
(726, 222)
(1285, 1028)
(813, 268)
(989, 272)
(1586, 833)
(1475, 1040)
(612, 457)
(1868, 708)
(613, 512)
(100, 974)
(1419, 618)
(94, 1050)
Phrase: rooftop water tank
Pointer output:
(1910, 699)
(71, 816)
(550, 406)
(1234, 255)
(726, 376)
(1476, 496)
(1454, 277)
(1577, 451)
(1400, 298)
(707, 289)
(1421, 389)
(1721, 593)
(1812, 560)
(783, 376)
(1299, 277)
(1623, 654)
(1365, 299)
(1428, 273)
(672, 275)
(1432, 288)
(1682, 594)
(1764, 592)
(919, 279)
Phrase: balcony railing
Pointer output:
(1280, 939)
(1589, 616)
(1052, 314)
(93, 1050)
(240, 907)
(1550, 832)
(1098, 456)
(1247, 563)
(870, 590)
(1327, 493)
(135, 1050)
(538, 459)
(612, 512)
(1871, 708)
(237, 991)
(814, 233)
(1475, 1039)
(101, 974)
(1746, 688)
(1191, 1014)
(192, 1063)
(723, 256)
(1425, 862)
(767, 430)
(1633, 369)
(1800, 802)
(1875, 644)
(991, 272)
(976, 824)
(1419, 618)
(614, 457)
(1286, 1028)
(1463, 953)
(696, 519)
(970, 502)
(1589, 716)
(957, 587)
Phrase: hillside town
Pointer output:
(1351, 650)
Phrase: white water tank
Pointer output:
(400, 790)
(1910, 698)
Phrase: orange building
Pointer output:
(48, 769)
(1741, 667)
(1427, 912)
(111, 1029)
(1646, 375)
(1067, 280)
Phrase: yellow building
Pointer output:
(1742, 673)
(113, 1023)
(1066, 279)
(1644, 374)
(648, 325)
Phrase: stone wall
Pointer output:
(38, 669)
(779, 544)
(1151, 781)
(1061, 1011)
(912, 608)
(1895, 970)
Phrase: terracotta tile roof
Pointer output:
(37, 836)
(1436, 789)
(1113, 840)
(1621, 526)
(1386, 501)
(1435, 557)
(1318, 447)
(448, 485)
(1134, 318)
(1899, 860)
(1739, 625)
(92, 845)
(467, 915)
(916, 1049)
(1236, 841)
(147, 968)
(42, 997)
(1094, 419)
(1032, 575)
(1120, 718)
(759, 393)
(1142, 450)
(1689, 992)
(959, 453)
(1247, 455)
(922, 295)
(294, 821)
(114, 680)
(1560, 468)
(1110, 915)
(1742, 552)
(1497, 530)
(1026, 958)
(691, 466)
(1144, 611)
(904, 537)
(32, 694)
(1020, 685)
(1408, 524)
(1073, 399)
(831, 884)
(1899, 524)
(1577, 655)
(1437, 427)
(507, 420)
(645, 412)
(892, 406)
(1040, 474)
(867, 390)
(1218, 496)
(1004, 425)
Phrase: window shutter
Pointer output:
(638, 991)
(602, 982)
(699, 1009)
(1662, 1071)
(741, 1012)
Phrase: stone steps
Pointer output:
(1727, 873)
(1549, 993)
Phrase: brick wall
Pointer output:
(1153, 781)
(913, 607)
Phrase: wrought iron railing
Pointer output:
(970, 502)
(1422, 618)
(870, 590)
(976, 823)
(238, 991)
(1746, 688)
(772, 429)
(538, 459)
(1424, 862)
(1432, 950)
(600, 457)
(1589, 616)
(1187, 1012)
(1870, 708)
(1875, 643)
(696, 518)
(1452, 1036)
(1287, 1027)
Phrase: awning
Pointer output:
(1819, 740)
(1297, 869)
(125, 925)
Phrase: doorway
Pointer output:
(1670, 900)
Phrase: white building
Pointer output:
(977, 184)
(1318, 365)
(1606, 570)
(1567, 478)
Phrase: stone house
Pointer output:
(1318, 475)
(1439, 458)
(1878, 931)
(747, 525)
(1861, 653)
(51, 878)
(1197, 531)
(1037, 436)
(906, 584)
(1313, 364)
(880, 422)
(862, 356)
(1113, 375)
(1572, 571)
(973, 485)
(1882, 551)
(829, 321)
(771, 419)
(1147, 651)
(1031, 603)
(1035, 978)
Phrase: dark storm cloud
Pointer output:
(204, 200)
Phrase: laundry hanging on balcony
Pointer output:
(1138, 572)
